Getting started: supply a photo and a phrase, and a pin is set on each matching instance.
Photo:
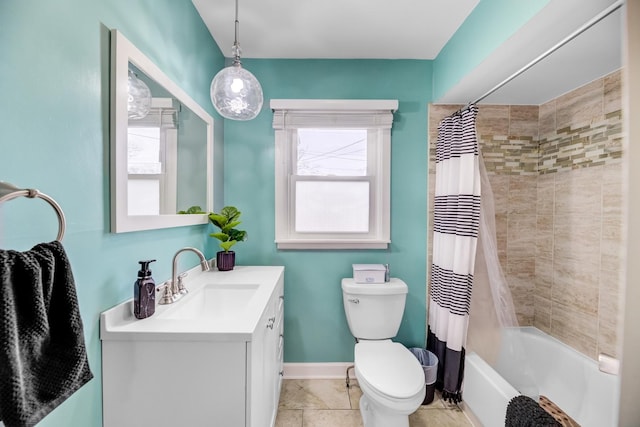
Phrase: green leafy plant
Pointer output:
(226, 221)
(192, 210)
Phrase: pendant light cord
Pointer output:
(236, 45)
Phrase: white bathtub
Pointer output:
(533, 363)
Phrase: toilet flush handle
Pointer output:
(354, 300)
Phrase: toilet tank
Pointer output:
(374, 310)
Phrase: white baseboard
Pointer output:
(317, 370)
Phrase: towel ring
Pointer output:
(10, 192)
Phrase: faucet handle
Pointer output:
(181, 288)
(168, 297)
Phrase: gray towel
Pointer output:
(43, 359)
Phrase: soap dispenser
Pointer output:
(144, 292)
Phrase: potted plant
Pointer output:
(228, 235)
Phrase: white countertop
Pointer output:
(119, 323)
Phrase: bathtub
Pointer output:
(533, 363)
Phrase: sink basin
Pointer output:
(213, 301)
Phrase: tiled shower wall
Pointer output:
(556, 174)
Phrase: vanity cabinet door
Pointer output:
(265, 364)
(173, 383)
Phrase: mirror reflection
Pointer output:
(162, 161)
(166, 171)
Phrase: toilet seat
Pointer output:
(389, 371)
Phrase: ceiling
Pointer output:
(367, 29)
(410, 29)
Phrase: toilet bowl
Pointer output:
(390, 377)
(391, 380)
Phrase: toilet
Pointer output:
(390, 377)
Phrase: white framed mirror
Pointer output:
(161, 155)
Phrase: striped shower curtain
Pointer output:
(455, 237)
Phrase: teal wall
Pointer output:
(315, 324)
(490, 24)
(54, 81)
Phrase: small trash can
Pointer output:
(429, 362)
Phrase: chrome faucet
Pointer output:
(175, 289)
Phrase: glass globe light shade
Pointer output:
(139, 97)
(236, 93)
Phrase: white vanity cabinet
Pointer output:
(174, 369)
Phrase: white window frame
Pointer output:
(374, 115)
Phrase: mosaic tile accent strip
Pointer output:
(526, 140)
(584, 145)
(596, 144)
(510, 155)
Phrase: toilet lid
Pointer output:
(389, 368)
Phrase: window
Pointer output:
(333, 161)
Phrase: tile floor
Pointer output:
(329, 403)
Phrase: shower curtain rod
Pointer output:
(599, 17)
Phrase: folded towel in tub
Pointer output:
(43, 358)
(523, 411)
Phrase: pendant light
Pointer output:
(138, 97)
(235, 92)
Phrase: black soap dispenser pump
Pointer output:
(144, 292)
